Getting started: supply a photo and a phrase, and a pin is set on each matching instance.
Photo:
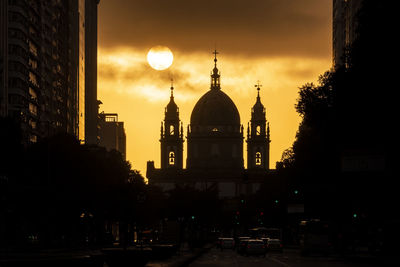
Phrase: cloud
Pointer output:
(126, 71)
(139, 94)
(282, 43)
(252, 27)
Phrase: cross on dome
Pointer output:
(215, 56)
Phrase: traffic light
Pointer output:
(296, 192)
(276, 201)
(237, 217)
(261, 218)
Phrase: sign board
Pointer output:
(362, 163)
(295, 208)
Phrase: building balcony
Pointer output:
(19, 25)
(19, 9)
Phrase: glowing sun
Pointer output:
(160, 57)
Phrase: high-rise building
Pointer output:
(46, 60)
(91, 104)
(80, 16)
(36, 85)
(112, 133)
(344, 26)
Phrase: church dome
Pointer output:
(215, 108)
(215, 136)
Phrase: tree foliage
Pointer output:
(352, 106)
(59, 189)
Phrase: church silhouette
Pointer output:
(214, 146)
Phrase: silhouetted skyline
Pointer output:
(66, 202)
(284, 44)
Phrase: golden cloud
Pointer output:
(138, 93)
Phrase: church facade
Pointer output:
(215, 139)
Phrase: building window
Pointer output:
(32, 48)
(32, 124)
(171, 158)
(33, 138)
(258, 130)
(32, 31)
(171, 130)
(32, 63)
(32, 94)
(258, 158)
(32, 109)
(33, 79)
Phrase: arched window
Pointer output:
(258, 130)
(171, 130)
(171, 158)
(258, 158)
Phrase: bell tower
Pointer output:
(171, 137)
(258, 137)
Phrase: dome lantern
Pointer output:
(215, 75)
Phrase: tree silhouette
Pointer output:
(63, 192)
(352, 107)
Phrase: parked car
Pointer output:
(240, 238)
(227, 242)
(274, 245)
(255, 247)
(218, 243)
(242, 244)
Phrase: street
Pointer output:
(289, 257)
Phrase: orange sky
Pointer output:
(284, 44)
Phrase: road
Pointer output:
(289, 258)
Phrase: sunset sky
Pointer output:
(282, 43)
